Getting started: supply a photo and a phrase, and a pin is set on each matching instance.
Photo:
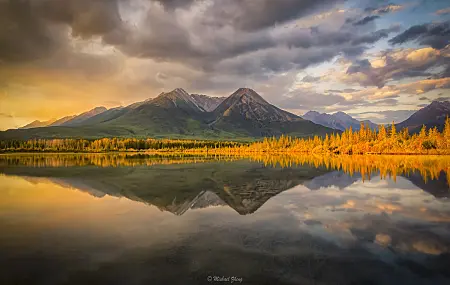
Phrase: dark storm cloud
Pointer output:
(86, 18)
(359, 66)
(250, 15)
(366, 20)
(436, 35)
(34, 29)
(226, 41)
(23, 35)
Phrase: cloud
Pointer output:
(384, 9)
(436, 35)
(384, 116)
(424, 86)
(443, 12)
(396, 65)
(4, 115)
(304, 99)
(442, 98)
(366, 20)
(309, 78)
(346, 90)
(173, 4)
(23, 35)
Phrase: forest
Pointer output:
(385, 140)
(110, 145)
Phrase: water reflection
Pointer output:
(92, 223)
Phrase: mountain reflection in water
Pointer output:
(282, 220)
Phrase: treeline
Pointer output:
(430, 167)
(110, 144)
(105, 159)
(364, 141)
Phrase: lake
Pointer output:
(141, 219)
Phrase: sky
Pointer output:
(376, 59)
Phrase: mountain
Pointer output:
(38, 124)
(433, 115)
(177, 114)
(207, 103)
(339, 121)
(247, 113)
(79, 119)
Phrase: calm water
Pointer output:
(104, 219)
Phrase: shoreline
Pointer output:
(213, 153)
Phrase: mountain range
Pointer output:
(178, 114)
(339, 121)
(431, 116)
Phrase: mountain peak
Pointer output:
(343, 115)
(311, 113)
(178, 92)
(248, 94)
(177, 98)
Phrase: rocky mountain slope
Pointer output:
(207, 103)
(79, 119)
(246, 112)
(433, 115)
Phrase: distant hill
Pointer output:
(38, 124)
(433, 115)
(75, 120)
(339, 121)
(177, 114)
